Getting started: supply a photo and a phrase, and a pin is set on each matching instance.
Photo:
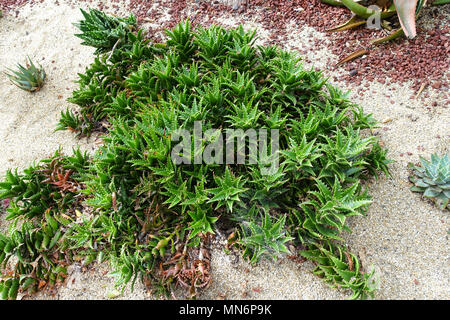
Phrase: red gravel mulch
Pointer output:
(424, 60)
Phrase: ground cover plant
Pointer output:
(130, 203)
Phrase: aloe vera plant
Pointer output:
(29, 77)
(433, 179)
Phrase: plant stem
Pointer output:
(438, 2)
(333, 3)
(364, 12)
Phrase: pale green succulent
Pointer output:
(433, 179)
(29, 78)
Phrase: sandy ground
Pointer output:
(404, 237)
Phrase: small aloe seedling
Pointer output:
(433, 179)
(29, 78)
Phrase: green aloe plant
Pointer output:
(228, 190)
(407, 12)
(201, 224)
(29, 78)
(103, 32)
(180, 38)
(433, 179)
(267, 237)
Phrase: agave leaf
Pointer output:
(352, 23)
(421, 183)
(429, 181)
(396, 34)
(364, 12)
(406, 10)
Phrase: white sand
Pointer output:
(403, 236)
(45, 34)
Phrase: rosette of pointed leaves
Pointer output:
(29, 78)
(265, 238)
(217, 77)
(228, 190)
(103, 32)
(433, 179)
(331, 206)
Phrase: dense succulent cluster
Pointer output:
(29, 78)
(433, 179)
(45, 199)
(153, 218)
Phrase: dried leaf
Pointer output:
(42, 284)
(352, 56)
(350, 261)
